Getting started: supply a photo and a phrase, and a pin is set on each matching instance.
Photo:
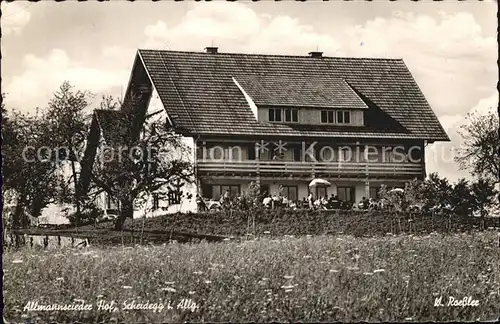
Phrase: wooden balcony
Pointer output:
(310, 169)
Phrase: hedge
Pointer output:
(311, 222)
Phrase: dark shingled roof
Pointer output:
(200, 96)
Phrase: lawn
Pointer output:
(320, 278)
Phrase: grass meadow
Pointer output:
(309, 279)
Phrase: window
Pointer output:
(296, 154)
(219, 190)
(374, 192)
(174, 197)
(206, 191)
(346, 194)
(345, 154)
(327, 116)
(251, 152)
(388, 154)
(343, 117)
(110, 203)
(325, 154)
(275, 114)
(291, 115)
(321, 192)
(156, 202)
(290, 192)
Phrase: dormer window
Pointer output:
(274, 114)
(327, 116)
(343, 117)
(335, 117)
(291, 115)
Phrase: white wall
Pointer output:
(56, 214)
(359, 191)
(155, 105)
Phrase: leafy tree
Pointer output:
(28, 170)
(251, 198)
(483, 196)
(141, 163)
(436, 192)
(68, 122)
(461, 198)
(481, 148)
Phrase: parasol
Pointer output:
(316, 182)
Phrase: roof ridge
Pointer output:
(272, 55)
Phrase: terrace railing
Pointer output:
(352, 169)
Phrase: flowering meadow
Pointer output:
(309, 279)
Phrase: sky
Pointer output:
(450, 47)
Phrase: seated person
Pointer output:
(310, 200)
(267, 201)
(317, 203)
(363, 204)
(201, 203)
(335, 202)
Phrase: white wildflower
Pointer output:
(287, 287)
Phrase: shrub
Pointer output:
(89, 214)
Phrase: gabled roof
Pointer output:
(200, 96)
(299, 91)
(112, 126)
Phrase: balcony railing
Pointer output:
(351, 169)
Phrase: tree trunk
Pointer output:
(18, 212)
(483, 212)
(127, 211)
(77, 197)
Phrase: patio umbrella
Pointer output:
(316, 182)
(397, 190)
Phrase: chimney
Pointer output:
(316, 54)
(211, 50)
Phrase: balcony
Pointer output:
(310, 169)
